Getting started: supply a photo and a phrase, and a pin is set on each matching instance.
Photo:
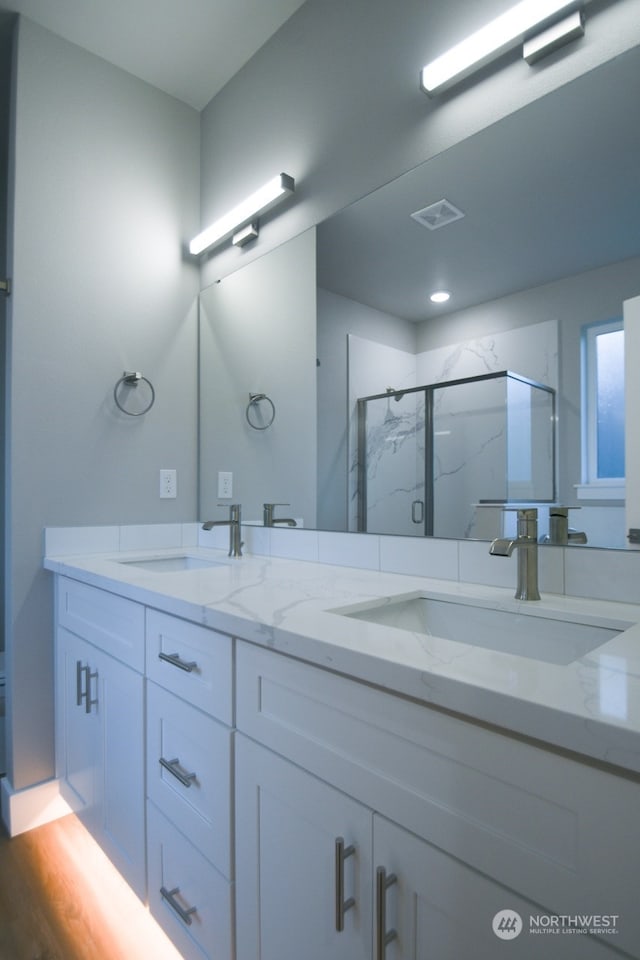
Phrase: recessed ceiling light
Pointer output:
(439, 296)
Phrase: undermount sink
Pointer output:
(539, 635)
(173, 564)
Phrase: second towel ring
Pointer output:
(133, 379)
(254, 400)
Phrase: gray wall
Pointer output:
(333, 100)
(257, 335)
(105, 186)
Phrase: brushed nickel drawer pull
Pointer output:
(342, 905)
(383, 937)
(176, 661)
(173, 766)
(169, 896)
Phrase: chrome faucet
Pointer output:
(559, 529)
(234, 524)
(268, 518)
(526, 543)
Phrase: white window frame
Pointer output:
(592, 487)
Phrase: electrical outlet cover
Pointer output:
(168, 484)
(225, 485)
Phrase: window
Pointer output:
(603, 411)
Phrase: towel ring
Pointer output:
(254, 400)
(133, 379)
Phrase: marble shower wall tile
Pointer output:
(372, 368)
(530, 351)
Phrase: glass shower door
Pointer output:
(443, 459)
(469, 453)
(391, 464)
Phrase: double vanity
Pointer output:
(289, 758)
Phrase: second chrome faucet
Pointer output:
(269, 520)
(526, 543)
(235, 529)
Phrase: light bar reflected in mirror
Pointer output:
(490, 41)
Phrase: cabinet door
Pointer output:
(78, 740)
(100, 750)
(290, 877)
(119, 706)
(437, 908)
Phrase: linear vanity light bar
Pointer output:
(262, 200)
(486, 44)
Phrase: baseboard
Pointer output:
(23, 810)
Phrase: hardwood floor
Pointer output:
(60, 899)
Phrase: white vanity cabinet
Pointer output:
(100, 720)
(446, 824)
(292, 881)
(189, 782)
(292, 811)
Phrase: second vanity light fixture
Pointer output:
(246, 212)
(505, 32)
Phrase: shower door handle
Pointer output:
(417, 511)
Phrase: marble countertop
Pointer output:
(591, 705)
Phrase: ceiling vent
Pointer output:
(437, 215)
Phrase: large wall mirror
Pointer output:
(537, 236)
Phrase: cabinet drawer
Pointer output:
(194, 792)
(204, 931)
(200, 664)
(559, 831)
(112, 623)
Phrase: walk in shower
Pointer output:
(431, 458)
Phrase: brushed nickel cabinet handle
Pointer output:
(170, 897)
(89, 676)
(176, 661)
(383, 936)
(79, 693)
(342, 905)
(86, 693)
(173, 766)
